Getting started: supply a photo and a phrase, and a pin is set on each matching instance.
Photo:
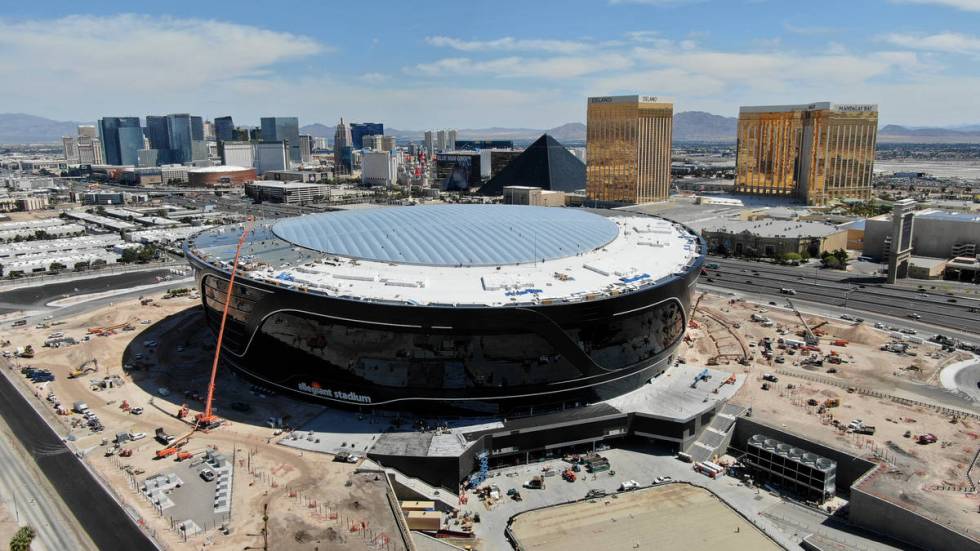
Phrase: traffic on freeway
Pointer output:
(860, 293)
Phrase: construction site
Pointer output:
(207, 458)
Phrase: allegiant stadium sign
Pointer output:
(335, 394)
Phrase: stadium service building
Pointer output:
(494, 309)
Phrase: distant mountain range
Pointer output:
(688, 126)
(902, 134)
(19, 128)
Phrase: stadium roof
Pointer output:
(644, 251)
(452, 235)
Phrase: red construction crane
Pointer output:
(207, 419)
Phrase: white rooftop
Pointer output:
(645, 251)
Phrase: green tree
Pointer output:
(22, 539)
(79, 266)
(790, 257)
(129, 254)
(56, 267)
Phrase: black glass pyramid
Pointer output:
(545, 164)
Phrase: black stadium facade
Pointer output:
(480, 308)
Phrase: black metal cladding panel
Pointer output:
(662, 427)
(536, 439)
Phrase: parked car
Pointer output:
(207, 475)
(137, 435)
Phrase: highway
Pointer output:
(102, 517)
(855, 293)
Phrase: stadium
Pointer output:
(482, 308)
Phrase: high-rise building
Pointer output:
(451, 140)
(628, 139)
(341, 139)
(197, 129)
(305, 148)
(236, 153)
(89, 146)
(156, 131)
(180, 132)
(379, 168)
(430, 145)
(441, 140)
(387, 143)
(70, 146)
(375, 142)
(283, 129)
(812, 153)
(122, 138)
(224, 129)
(360, 129)
(270, 156)
(209, 131)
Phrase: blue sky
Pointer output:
(473, 64)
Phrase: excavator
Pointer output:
(207, 420)
(90, 366)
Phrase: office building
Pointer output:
(85, 148)
(628, 139)
(812, 153)
(197, 129)
(224, 129)
(545, 164)
(283, 129)
(174, 139)
(360, 129)
(375, 142)
(122, 138)
(458, 171)
(270, 156)
(290, 193)
(305, 148)
(342, 140)
(379, 168)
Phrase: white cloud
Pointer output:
(966, 5)
(508, 43)
(558, 67)
(941, 42)
(105, 59)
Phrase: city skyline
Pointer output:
(912, 57)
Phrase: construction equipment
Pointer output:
(703, 376)
(207, 420)
(810, 338)
(108, 330)
(27, 352)
(926, 439)
(182, 412)
(90, 366)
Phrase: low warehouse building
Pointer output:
(772, 238)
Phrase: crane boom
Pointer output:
(207, 418)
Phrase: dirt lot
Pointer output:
(308, 496)
(665, 517)
(931, 478)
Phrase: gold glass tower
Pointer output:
(814, 153)
(628, 148)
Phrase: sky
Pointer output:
(477, 64)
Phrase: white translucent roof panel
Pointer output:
(452, 235)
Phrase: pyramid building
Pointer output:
(545, 164)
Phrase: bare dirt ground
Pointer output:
(286, 480)
(666, 517)
(928, 478)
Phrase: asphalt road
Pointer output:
(35, 297)
(33, 501)
(105, 521)
(854, 292)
